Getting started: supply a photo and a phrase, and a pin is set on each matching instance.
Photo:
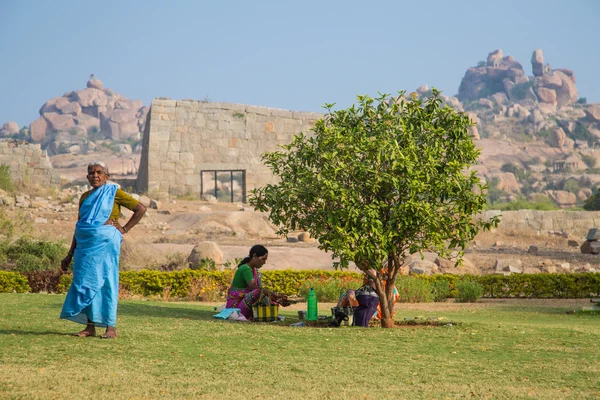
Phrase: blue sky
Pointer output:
(292, 55)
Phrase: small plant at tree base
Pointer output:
(468, 291)
(378, 180)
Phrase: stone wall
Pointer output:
(28, 163)
(575, 223)
(184, 137)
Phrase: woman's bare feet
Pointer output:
(111, 333)
(90, 330)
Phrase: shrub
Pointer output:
(43, 280)
(13, 282)
(206, 264)
(581, 100)
(543, 204)
(592, 203)
(35, 255)
(6, 182)
(414, 290)
(175, 262)
(441, 290)
(328, 289)
(468, 291)
(589, 160)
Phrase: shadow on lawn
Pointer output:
(32, 333)
(158, 311)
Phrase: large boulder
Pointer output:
(54, 105)
(546, 95)
(537, 62)
(567, 94)
(562, 198)
(9, 128)
(90, 97)
(592, 112)
(59, 122)
(94, 83)
(38, 129)
(204, 250)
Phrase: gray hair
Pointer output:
(98, 164)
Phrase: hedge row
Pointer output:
(182, 283)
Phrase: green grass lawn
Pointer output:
(177, 350)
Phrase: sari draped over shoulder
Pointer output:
(94, 291)
(244, 299)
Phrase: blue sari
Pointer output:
(94, 293)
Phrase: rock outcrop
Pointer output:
(87, 115)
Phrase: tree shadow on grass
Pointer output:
(155, 310)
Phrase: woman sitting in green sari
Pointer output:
(246, 288)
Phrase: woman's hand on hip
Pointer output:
(116, 224)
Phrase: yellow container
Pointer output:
(265, 313)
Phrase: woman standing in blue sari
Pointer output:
(95, 249)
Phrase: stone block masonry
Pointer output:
(28, 163)
(184, 137)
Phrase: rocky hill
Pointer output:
(538, 139)
(80, 121)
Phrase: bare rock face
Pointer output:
(38, 129)
(537, 62)
(592, 112)
(488, 79)
(558, 138)
(546, 95)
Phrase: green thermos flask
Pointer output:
(312, 314)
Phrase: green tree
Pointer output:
(592, 203)
(378, 181)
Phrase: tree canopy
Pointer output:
(378, 181)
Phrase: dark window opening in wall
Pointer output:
(224, 185)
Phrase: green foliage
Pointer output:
(239, 115)
(543, 204)
(519, 173)
(26, 255)
(378, 179)
(411, 290)
(328, 289)
(571, 185)
(581, 100)
(440, 290)
(6, 182)
(468, 291)
(592, 203)
(519, 92)
(589, 160)
(581, 132)
(13, 282)
(480, 64)
(495, 194)
(292, 282)
(206, 264)
(580, 285)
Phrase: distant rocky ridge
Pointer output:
(80, 120)
(538, 139)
